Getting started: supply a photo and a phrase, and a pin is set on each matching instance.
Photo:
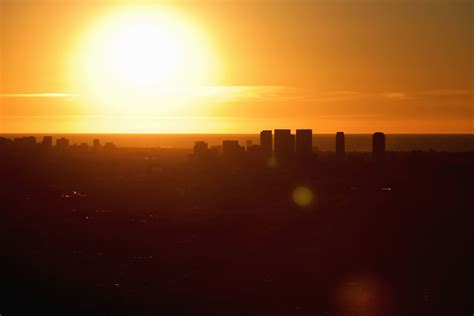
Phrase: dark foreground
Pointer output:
(139, 232)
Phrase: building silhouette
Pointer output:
(109, 147)
(340, 146)
(96, 144)
(28, 141)
(284, 145)
(304, 143)
(25, 143)
(200, 147)
(62, 143)
(5, 143)
(202, 153)
(266, 142)
(254, 149)
(47, 141)
(231, 150)
(378, 146)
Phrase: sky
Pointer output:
(357, 66)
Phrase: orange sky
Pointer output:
(357, 66)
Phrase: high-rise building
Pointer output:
(266, 142)
(340, 146)
(304, 143)
(96, 144)
(47, 141)
(283, 144)
(378, 146)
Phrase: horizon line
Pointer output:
(256, 133)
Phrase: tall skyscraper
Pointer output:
(378, 146)
(304, 143)
(96, 144)
(340, 146)
(283, 144)
(47, 141)
(266, 142)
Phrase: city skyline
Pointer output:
(280, 147)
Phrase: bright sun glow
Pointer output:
(131, 55)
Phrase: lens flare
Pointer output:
(303, 196)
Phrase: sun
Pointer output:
(132, 53)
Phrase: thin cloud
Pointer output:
(38, 95)
(395, 95)
(447, 92)
(285, 93)
(235, 92)
(332, 96)
(268, 93)
(341, 93)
